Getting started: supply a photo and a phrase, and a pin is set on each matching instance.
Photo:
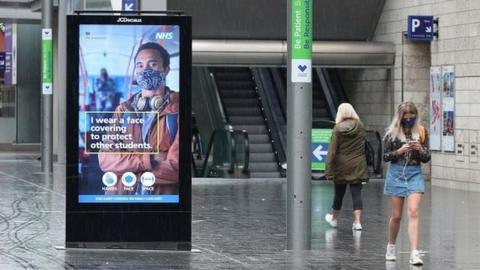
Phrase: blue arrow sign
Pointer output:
(319, 152)
(420, 28)
(129, 5)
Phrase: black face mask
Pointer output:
(409, 122)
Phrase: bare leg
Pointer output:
(396, 217)
(335, 214)
(357, 214)
(413, 202)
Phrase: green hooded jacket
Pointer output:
(346, 161)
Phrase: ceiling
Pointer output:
(347, 20)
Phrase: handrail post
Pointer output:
(379, 153)
(207, 155)
(233, 151)
(246, 143)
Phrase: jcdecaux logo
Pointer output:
(128, 20)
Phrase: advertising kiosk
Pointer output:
(128, 132)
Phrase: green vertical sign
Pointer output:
(301, 38)
(320, 142)
(47, 59)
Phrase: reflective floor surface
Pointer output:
(236, 224)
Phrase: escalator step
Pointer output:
(241, 111)
(246, 120)
(223, 85)
(236, 76)
(317, 94)
(262, 157)
(263, 167)
(238, 93)
(261, 148)
(240, 102)
(258, 138)
(318, 103)
(321, 118)
(229, 69)
(320, 112)
(252, 129)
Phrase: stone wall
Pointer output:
(458, 45)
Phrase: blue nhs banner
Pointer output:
(420, 28)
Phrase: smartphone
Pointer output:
(412, 142)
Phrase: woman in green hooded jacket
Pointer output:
(346, 163)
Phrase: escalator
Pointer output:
(328, 93)
(323, 103)
(254, 99)
(244, 111)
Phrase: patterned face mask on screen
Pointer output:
(150, 79)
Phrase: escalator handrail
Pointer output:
(269, 119)
(199, 145)
(281, 92)
(195, 170)
(377, 166)
(331, 106)
(209, 149)
(333, 91)
(218, 99)
(233, 150)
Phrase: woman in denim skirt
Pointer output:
(405, 147)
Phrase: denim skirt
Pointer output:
(404, 180)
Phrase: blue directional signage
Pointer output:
(319, 152)
(320, 143)
(129, 5)
(420, 28)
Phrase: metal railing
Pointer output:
(232, 147)
(375, 147)
(246, 147)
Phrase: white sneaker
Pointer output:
(415, 258)
(357, 227)
(390, 255)
(329, 220)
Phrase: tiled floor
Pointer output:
(237, 224)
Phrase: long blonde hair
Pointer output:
(395, 130)
(345, 111)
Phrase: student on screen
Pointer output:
(105, 91)
(159, 164)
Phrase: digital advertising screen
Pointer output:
(128, 119)
(128, 169)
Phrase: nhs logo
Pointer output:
(164, 35)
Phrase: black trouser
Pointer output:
(355, 189)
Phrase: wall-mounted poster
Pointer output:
(448, 108)
(10, 54)
(435, 108)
